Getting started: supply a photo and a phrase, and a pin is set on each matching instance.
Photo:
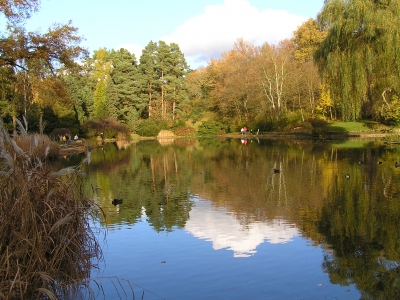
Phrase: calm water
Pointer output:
(210, 219)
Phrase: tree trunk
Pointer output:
(41, 124)
(14, 127)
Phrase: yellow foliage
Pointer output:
(325, 102)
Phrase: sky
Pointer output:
(203, 29)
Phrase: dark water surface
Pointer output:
(211, 219)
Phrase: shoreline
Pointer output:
(80, 146)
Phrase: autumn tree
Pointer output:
(307, 39)
(102, 68)
(274, 63)
(17, 11)
(200, 84)
(359, 54)
(30, 58)
(235, 92)
(80, 88)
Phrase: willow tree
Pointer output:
(360, 53)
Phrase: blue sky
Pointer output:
(202, 28)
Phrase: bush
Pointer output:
(59, 132)
(264, 123)
(108, 126)
(392, 116)
(319, 126)
(286, 122)
(151, 127)
(185, 131)
(211, 127)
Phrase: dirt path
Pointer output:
(74, 148)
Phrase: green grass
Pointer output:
(354, 144)
(359, 126)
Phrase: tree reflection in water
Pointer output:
(355, 219)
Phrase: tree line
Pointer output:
(341, 65)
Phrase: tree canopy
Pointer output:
(360, 53)
(341, 65)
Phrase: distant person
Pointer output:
(244, 130)
(76, 137)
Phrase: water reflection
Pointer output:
(225, 232)
(354, 219)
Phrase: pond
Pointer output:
(247, 219)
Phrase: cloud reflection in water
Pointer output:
(225, 232)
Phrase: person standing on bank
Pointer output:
(68, 139)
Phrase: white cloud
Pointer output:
(215, 31)
(133, 48)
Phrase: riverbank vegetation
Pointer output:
(340, 66)
(47, 243)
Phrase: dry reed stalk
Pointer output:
(38, 145)
(47, 244)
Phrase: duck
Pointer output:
(116, 201)
(379, 162)
(397, 164)
(360, 162)
(276, 171)
(347, 176)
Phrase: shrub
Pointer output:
(185, 131)
(319, 126)
(210, 127)
(264, 123)
(392, 116)
(151, 127)
(59, 132)
(108, 126)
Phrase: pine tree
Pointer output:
(125, 78)
(148, 78)
(177, 90)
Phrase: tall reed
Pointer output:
(47, 243)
